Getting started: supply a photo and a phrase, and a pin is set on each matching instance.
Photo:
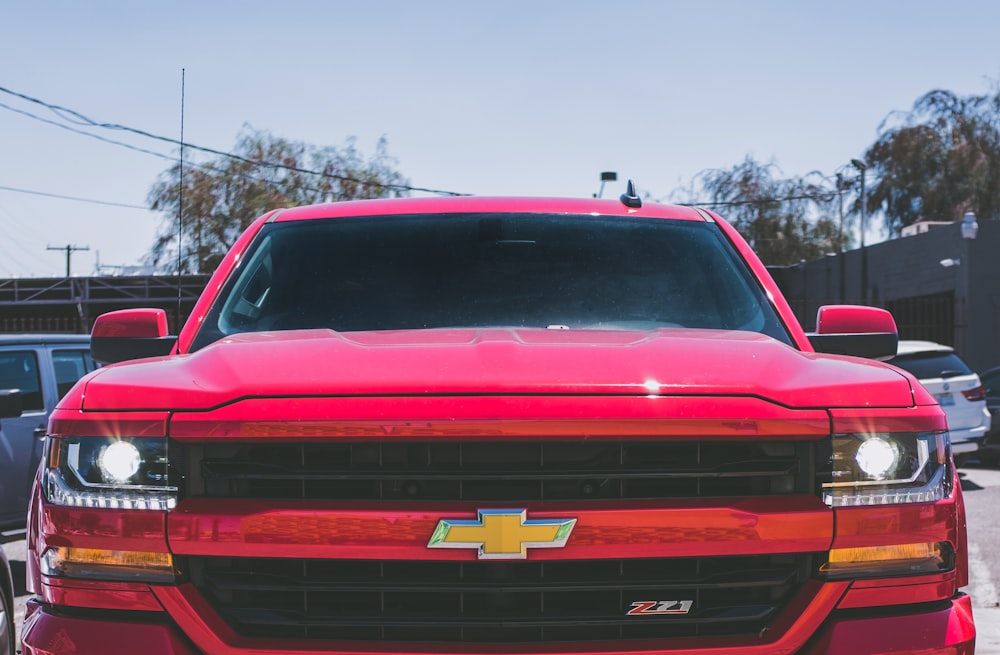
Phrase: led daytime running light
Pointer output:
(934, 491)
(59, 493)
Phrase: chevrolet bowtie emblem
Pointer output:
(502, 533)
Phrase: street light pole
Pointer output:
(840, 198)
(606, 176)
(969, 231)
(862, 167)
(841, 186)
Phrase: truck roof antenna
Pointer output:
(629, 198)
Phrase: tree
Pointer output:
(937, 161)
(785, 220)
(223, 196)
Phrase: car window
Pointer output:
(70, 366)
(932, 365)
(19, 370)
(490, 270)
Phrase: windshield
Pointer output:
(490, 270)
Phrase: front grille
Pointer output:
(497, 602)
(511, 472)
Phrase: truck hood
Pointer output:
(322, 363)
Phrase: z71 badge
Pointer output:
(650, 607)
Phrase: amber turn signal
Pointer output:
(888, 561)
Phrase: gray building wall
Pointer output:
(958, 305)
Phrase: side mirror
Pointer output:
(855, 330)
(130, 334)
(10, 403)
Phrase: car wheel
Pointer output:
(6, 623)
(961, 460)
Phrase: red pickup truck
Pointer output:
(505, 426)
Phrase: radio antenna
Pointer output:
(180, 212)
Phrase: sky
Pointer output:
(520, 97)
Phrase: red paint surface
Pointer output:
(678, 529)
(665, 362)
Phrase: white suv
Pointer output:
(957, 389)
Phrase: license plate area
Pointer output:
(945, 399)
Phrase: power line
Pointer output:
(85, 133)
(77, 118)
(729, 203)
(245, 176)
(755, 201)
(84, 120)
(129, 146)
(117, 143)
(8, 256)
(62, 197)
(11, 239)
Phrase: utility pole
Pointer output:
(69, 252)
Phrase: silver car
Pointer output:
(6, 607)
(957, 388)
(41, 368)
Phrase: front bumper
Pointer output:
(944, 628)
(969, 440)
(967, 446)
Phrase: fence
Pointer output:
(72, 304)
(929, 317)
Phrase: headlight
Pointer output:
(119, 461)
(888, 468)
(109, 472)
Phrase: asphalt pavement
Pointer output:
(981, 487)
(16, 551)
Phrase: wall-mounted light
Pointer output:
(970, 226)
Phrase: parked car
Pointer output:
(6, 607)
(957, 388)
(42, 367)
(990, 452)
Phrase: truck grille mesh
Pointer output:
(497, 602)
(500, 471)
